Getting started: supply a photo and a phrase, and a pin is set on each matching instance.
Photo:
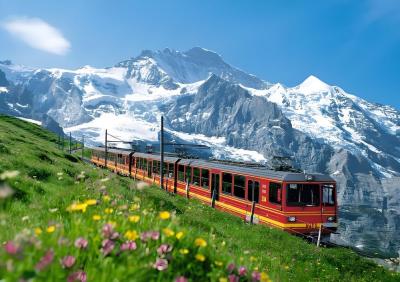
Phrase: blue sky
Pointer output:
(353, 44)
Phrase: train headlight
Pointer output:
(331, 218)
(291, 218)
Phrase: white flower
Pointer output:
(9, 174)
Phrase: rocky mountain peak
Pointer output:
(313, 84)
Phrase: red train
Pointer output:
(295, 202)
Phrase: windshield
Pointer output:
(303, 194)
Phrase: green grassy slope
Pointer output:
(40, 218)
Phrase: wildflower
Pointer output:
(9, 174)
(5, 191)
(223, 243)
(168, 232)
(128, 246)
(181, 279)
(184, 251)
(81, 243)
(264, 277)
(96, 217)
(233, 278)
(200, 242)
(161, 264)
(200, 257)
(164, 249)
(164, 215)
(51, 229)
(109, 233)
(91, 202)
(38, 231)
(136, 199)
(179, 235)
(105, 179)
(107, 246)
(68, 261)
(223, 279)
(230, 267)
(45, 260)
(286, 267)
(131, 235)
(242, 271)
(134, 218)
(60, 174)
(218, 263)
(106, 198)
(77, 207)
(11, 248)
(108, 210)
(252, 258)
(256, 276)
(145, 236)
(77, 276)
(53, 210)
(134, 207)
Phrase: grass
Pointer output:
(58, 199)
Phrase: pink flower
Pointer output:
(161, 264)
(45, 260)
(242, 271)
(233, 278)
(128, 246)
(68, 261)
(109, 233)
(11, 248)
(231, 267)
(163, 249)
(81, 243)
(145, 236)
(77, 276)
(256, 276)
(107, 246)
(181, 279)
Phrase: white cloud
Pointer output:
(38, 34)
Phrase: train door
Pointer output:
(215, 185)
(149, 168)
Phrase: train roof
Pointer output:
(253, 171)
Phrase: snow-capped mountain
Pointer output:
(207, 101)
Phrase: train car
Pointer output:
(299, 203)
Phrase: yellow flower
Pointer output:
(252, 258)
(179, 235)
(77, 207)
(223, 279)
(164, 215)
(108, 210)
(184, 251)
(218, 263)
(136, 199)
(51, 229)
(264, 277)
(112, 223)
(131, 235)
(134, 207)
(91, 202)
(223, 243)
(200, 257)
(168, 232)
(38, 231)
(200, 242)
(286, 267)
(96, 217)
(106, 198)
(134, 218)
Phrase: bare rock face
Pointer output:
(207, 101)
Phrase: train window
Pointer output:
(205, 176)
(239, 186)
(181, 173)
(188, 173)
(165, 168)
(144, 166)
(155, 167)
(302, 194)
(253, 192)
(328, 196)
(171, 170)
(275, 193)
(227, 183)
(196, 176)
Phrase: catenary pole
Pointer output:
(105, 150)
(162, 153)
